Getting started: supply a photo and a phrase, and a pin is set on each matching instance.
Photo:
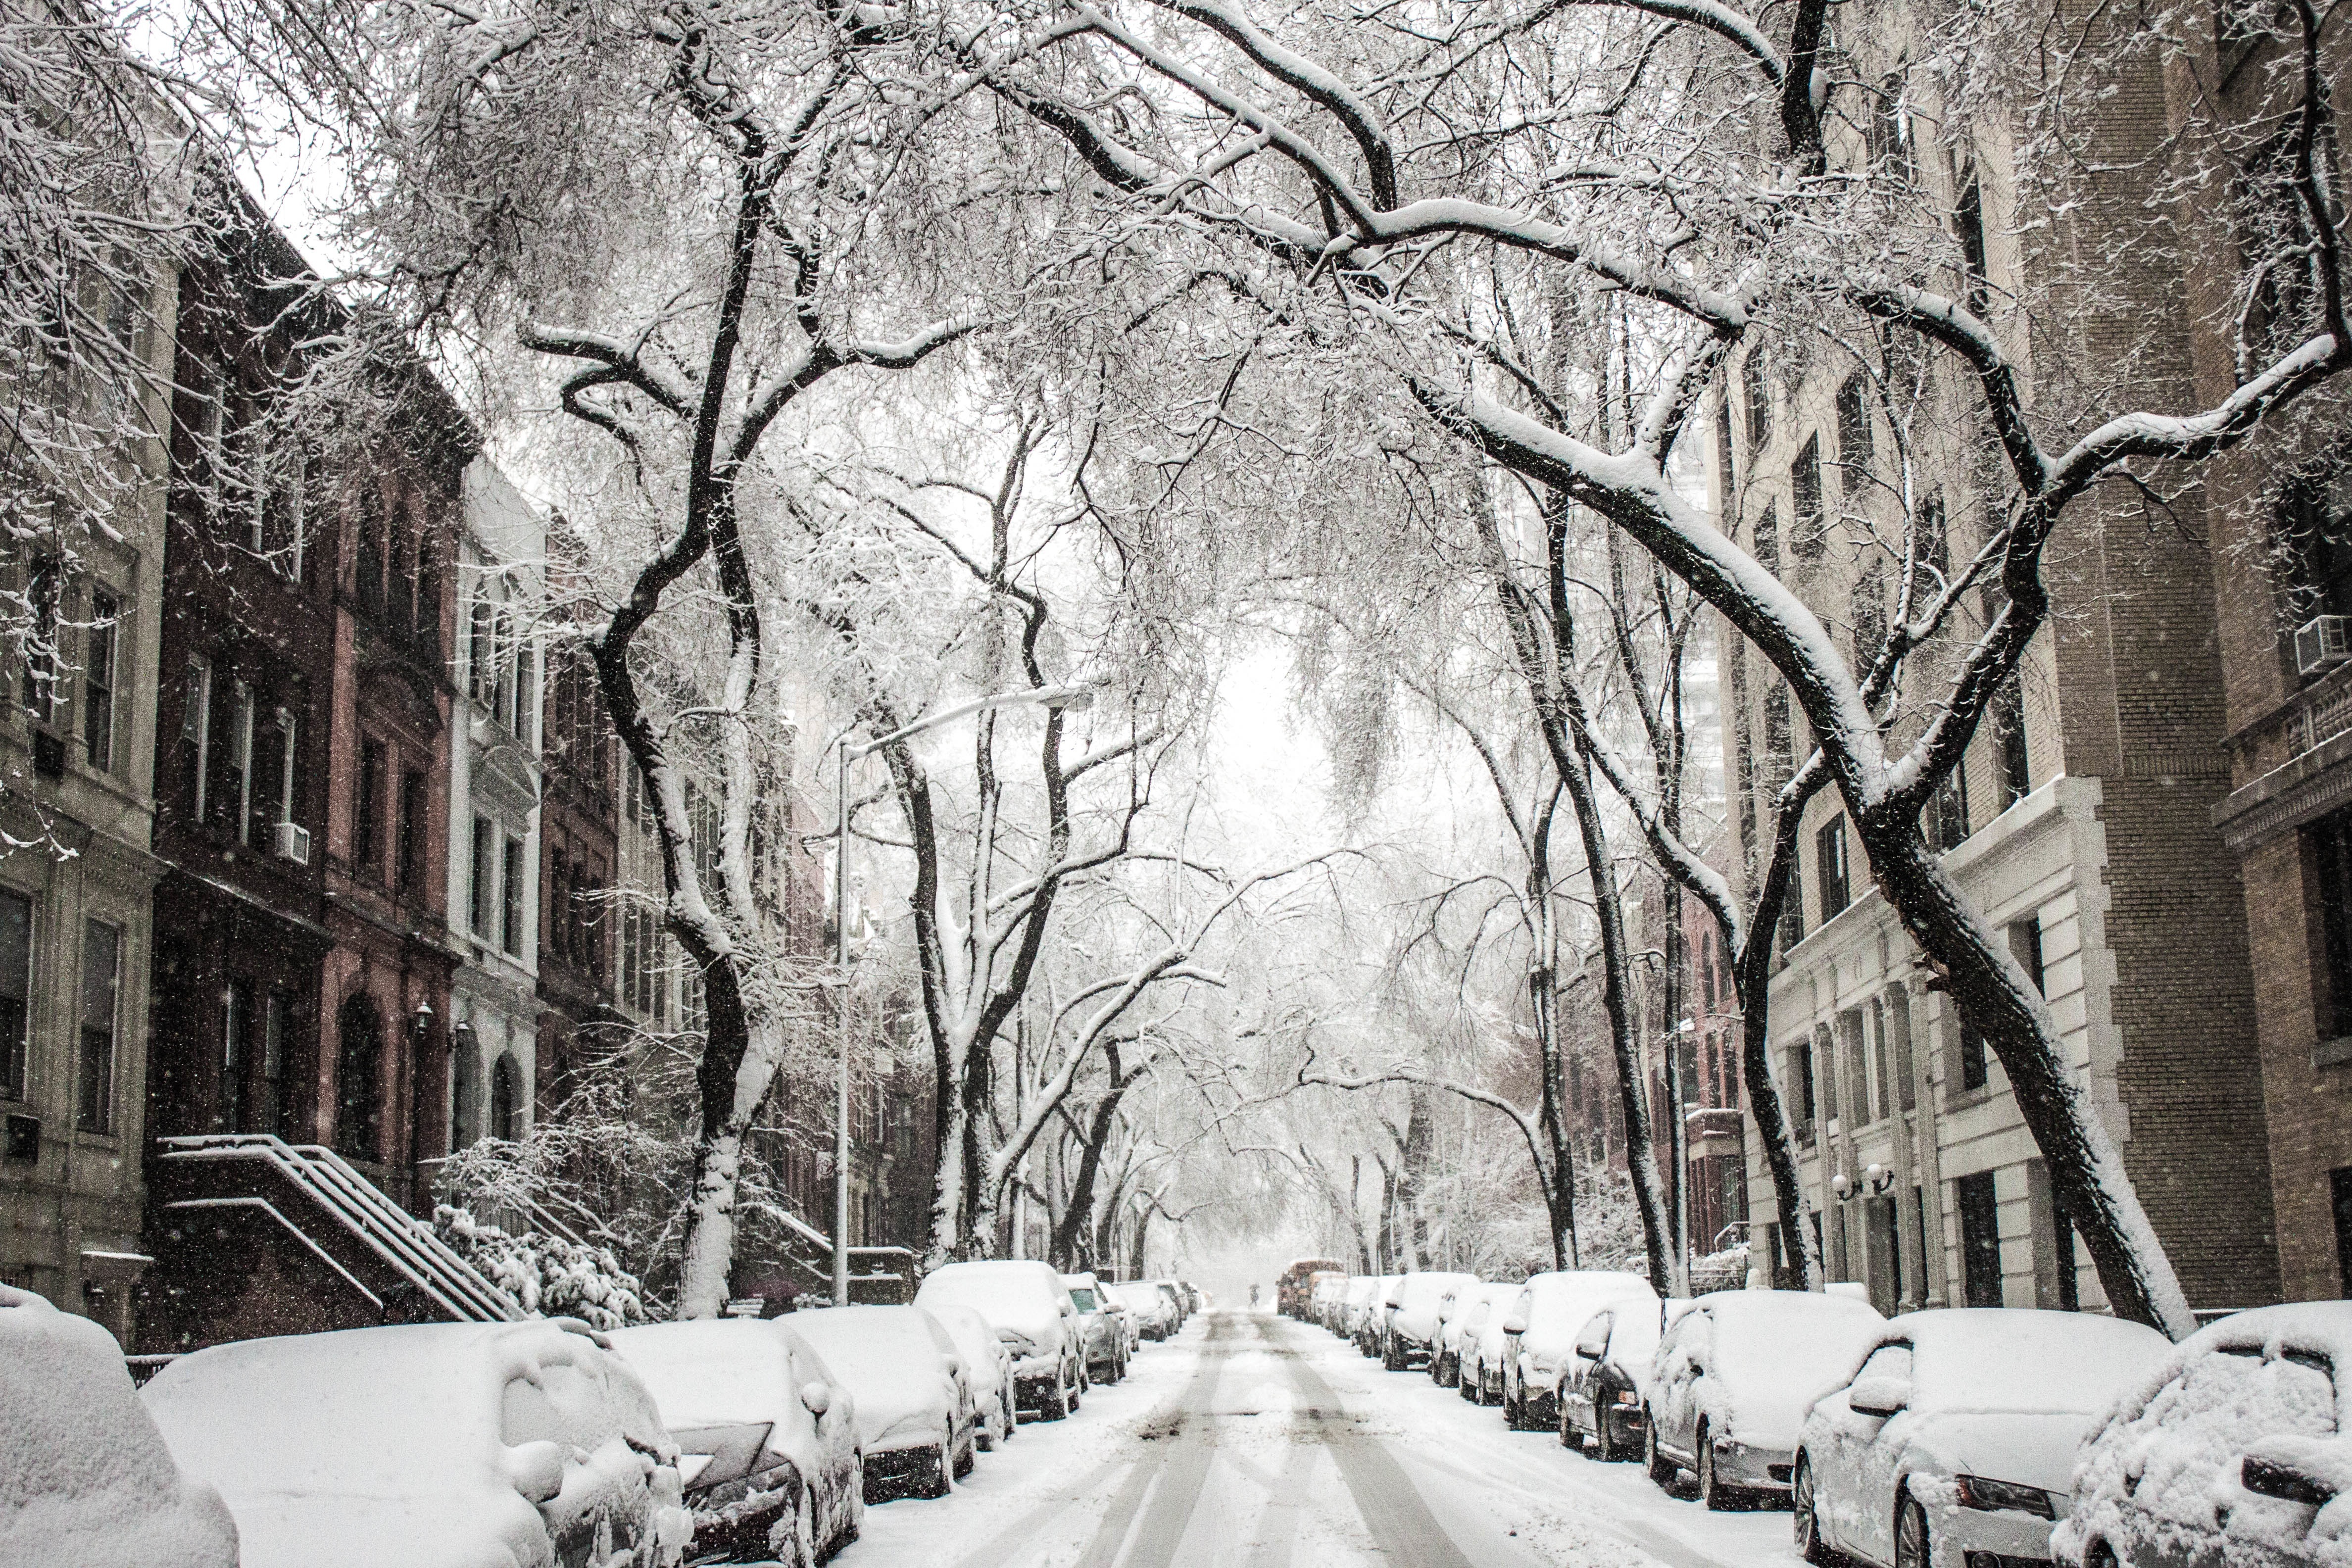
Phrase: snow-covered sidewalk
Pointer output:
(1253, 1441)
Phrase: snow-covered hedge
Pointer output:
(550, 1275)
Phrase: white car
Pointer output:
(1411, 1337)
(766, 1438)
(1026, 1304)
(1733, 1380)
(1372, 1322)
(1956, 1435)
(1446, 1354)
(1351, 1314)
(1485, 1347)
(429, 1446)
(1100, 1333)
(1602, 1394)
(988, 1364)
(2231, 1451)
(1147, 1309)
(1323, 1303)
(914, 1417)
(1539, 1337)
(85, 1477)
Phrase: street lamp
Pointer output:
(1069, 699)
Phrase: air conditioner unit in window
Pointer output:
(294, 843)
(2321, 643)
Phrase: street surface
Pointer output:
(1255, 1442)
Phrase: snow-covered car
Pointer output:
(1733, 1380)
(1102, 1341)
(1323, 1299)
(2229, 1451)
(1485, 1347)
(1372, 1322)
(1539, 1337)
(1025, 1302)
(85, 1477)
(429, 1446)
(1148, 1309)
(1180, 1301)
(1457, 1331)
(1351, 1306)
(1412, 1322)
(915, 1422)
(1601, 1394)
(766, 1438)
(988, 1368)
(1956, 1435)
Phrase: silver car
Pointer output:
(1100, 1333)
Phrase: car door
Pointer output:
(1515, 1325)
(1673, 1396)
(1854, 1459)
(1579, 1385)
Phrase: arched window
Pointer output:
(359, 1079)
(506, 1099)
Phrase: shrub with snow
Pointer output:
(85, 1477)
(550, 1275)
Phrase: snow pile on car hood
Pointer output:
(1772, 1353)
(977, 1343)
(85, 1477)
(1026, 1297)
(899, 1372)
(729, 1371)
(1418, 1300)
(2163, 1470)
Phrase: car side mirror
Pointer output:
(817, 1396)
(1514, 1324)
(536, 1470)
(2277, 1478)
(1592, 1350)
(1878, 1396)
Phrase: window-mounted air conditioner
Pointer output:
(294, 843)
(2321, 643)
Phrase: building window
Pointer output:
(1725, 480)
(1971, 1053)
(2313, 547)
(1932, 544)
(1808, 528)
(1945, 818)
(237, 1057)
(2025, 946)
(370, 563)
(481, 637)
(196, 737)
(510, 909)
(276, 1036)
(1832, 875)
(1768, 537)
(412, 831)
(1980, 1241)
(2006, 711)
(1800, 1088)
(97, 680)
(42, 587)
(359, 1079)
(506, 1099)
(101, 986)
(1866, 614)
(16, 990)
(481, 891)
(287, 728)
(1968, 229)
(2331, 843)
(240, 757)
(367, 835)
(1853, 433)
(1755, 391)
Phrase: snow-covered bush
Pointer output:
(550, 1275)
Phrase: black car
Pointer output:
(1601, 1392)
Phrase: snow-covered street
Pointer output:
(1253, 1440)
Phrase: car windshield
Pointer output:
(1083, 1299)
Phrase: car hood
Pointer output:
(2035, 1449)
(326, 1530)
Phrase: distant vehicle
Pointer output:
(1412, 1336)
(1180, 1302)
(1154, 1318)
(1025, 1302)
(1102, 1340)
(1539, 1336)
(1602, 1394)
(1456, 1321)
(1292, 1290)
(2231, 1451)
(767, 1437)
(1970, 1416)
(1323, 1301)
(1485, 1348)
(429, 1446)
(1372, 1325)
(988, 1366)
(1734, 1377)
(85, 1477)
(915, 1415)
(1362, 1292)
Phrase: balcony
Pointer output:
(2297, 752)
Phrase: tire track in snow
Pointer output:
(1178, 1460)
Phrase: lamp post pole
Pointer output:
(1071, 697)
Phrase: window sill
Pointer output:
(2335, 1052)
(1967, 1099)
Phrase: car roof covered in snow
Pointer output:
(85, 1477)
(895, 1359)
(1772, 1352)
(1011, 1293)
(2019, 1359)
(984, 1355)
(714, 1371)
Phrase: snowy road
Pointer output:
(1254, 1442)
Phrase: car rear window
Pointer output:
(567, 1404)
(1084, 1300)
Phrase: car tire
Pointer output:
(1804, 1518)
(1057, 1406)
(805, 1551)
(1514, 1410)
(1393, 1355)
(1662, 1469)
(1911, 1547)
(970, 1453)
(1605, 1441)
(940, 1479)
(1713, 1495)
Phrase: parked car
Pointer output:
(428, 1446)
(988, 1367)
(1148, 1309)
(915, 1416)
(1411, 1335)
(1540, 1337)
(85, 1477)
(1602, 1394)
(1969, 1416)
(1457, 1327)
(1372, 1322)
(1330, 1289)
(1485, 1347)
(2229, 1451)
(1179, 1302)
(766, 1438)
(1025, 1303)
(1734, 1377)
(1102, 1341)
(1361, 1290)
